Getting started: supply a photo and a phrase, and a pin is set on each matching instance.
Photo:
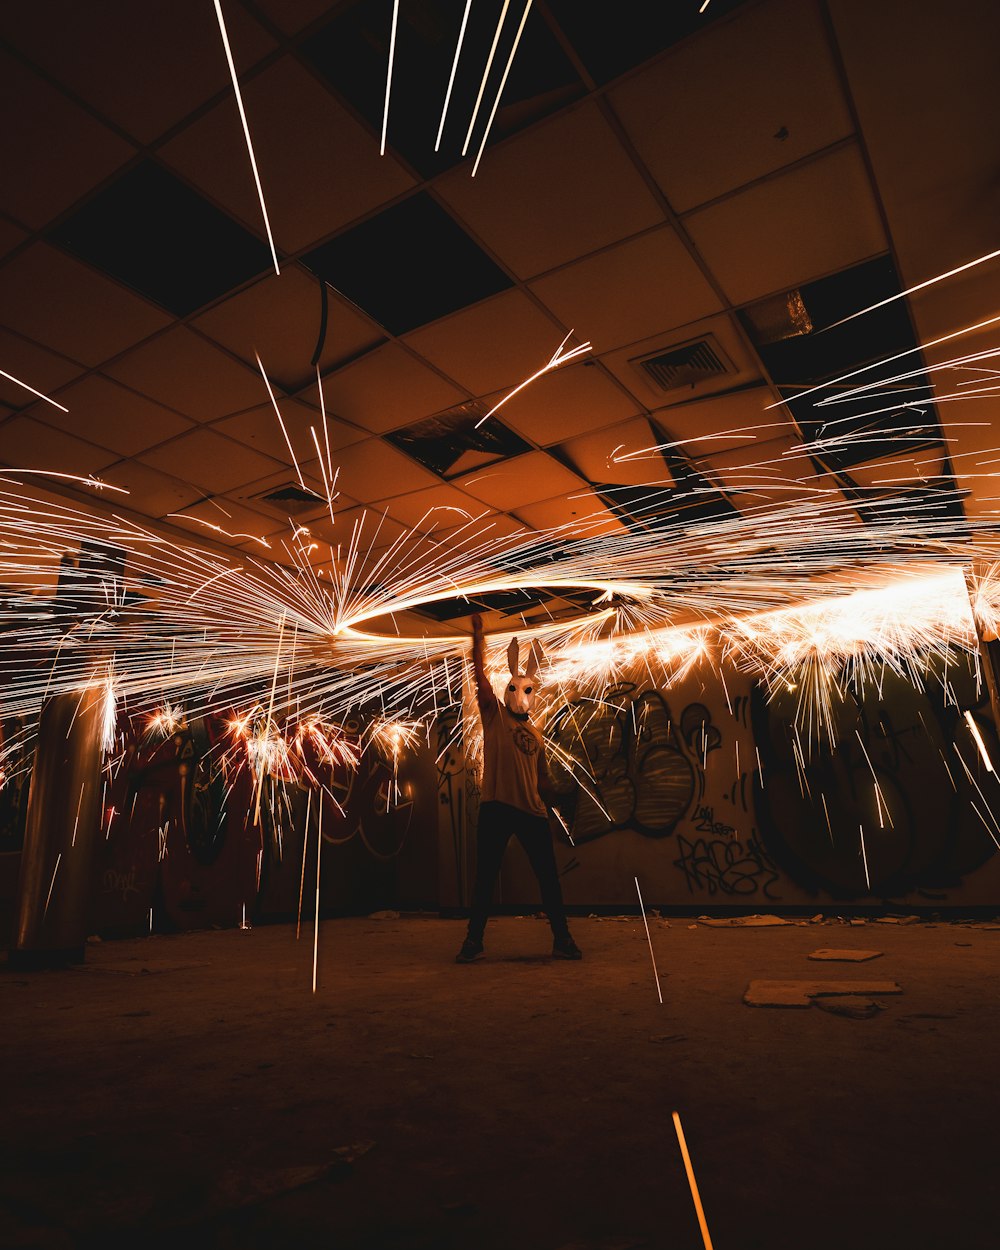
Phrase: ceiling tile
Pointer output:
(719, 422)
(709, 117)
(299, 131)
(156, 235)
(292, 15)
(146, 65)
(368, 468)
(723, 338)
(366, 526)
(521, 480)
(209, 461)
(630, 291)
(11, 236)
(255, 496)
(801, 225)
(279, 318)
(408, 265)
(152, 493)
(437, 508)
(63, 153)
(495, 344)
(227, 522)
(934, 160)
(581, 515)
(769, 474)
(387, 388)
(259, 429)
(576, 398)
(66, 306)
(624, 455)
(609, 42)
(537, 205)
(30, 363)
(103, 412)
(28, 444)
(185, 371)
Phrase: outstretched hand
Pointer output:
(477, 625)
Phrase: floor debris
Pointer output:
(748, 922)
(854, 1006)
(845, 956)
(802, 993)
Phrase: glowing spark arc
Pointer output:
(319, 856)
(17, 381)
(48, 897)
(486, 74)
(557, 358)
(388, 75)
(974, 730)
(503, 83)
(451, 80)
(692, 1183)
(246, 133)
(656, 975)
(277, 413)
(980, 260)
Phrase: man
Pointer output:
(515, 778)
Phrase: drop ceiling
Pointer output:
(654, 173)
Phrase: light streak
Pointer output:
(17, 381)
(920, 286)
(451, 79)
(277, 413)
(305, 848)
(186, 516)
(388, 74)
(48, 897)
(486, 74)
(864, 857)
(692, 1183)
(246, 133)
(945, 338)
(974, 730)
(319, 858)
(85, 480)
(656, 975)
(557, 358)
(503, 83)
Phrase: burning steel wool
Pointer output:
(310, 636)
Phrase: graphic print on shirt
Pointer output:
(525, 741)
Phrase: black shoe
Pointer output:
(470, 952)
(566, 948)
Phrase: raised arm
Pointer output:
(485, 696)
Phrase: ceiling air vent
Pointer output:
(687, 364)
(292, 500)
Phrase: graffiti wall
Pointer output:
(713, 796)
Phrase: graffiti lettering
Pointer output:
(115, 881)
(706, 823)
(725, 866)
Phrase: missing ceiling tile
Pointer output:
(451, 443)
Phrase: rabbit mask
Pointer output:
(520, 692)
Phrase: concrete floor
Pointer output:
(192, 1090)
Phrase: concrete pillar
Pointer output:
(63, 830)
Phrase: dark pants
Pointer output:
(497, 821)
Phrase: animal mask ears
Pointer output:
(513, 652)
(534, 659)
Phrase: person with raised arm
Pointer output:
(515, 787)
